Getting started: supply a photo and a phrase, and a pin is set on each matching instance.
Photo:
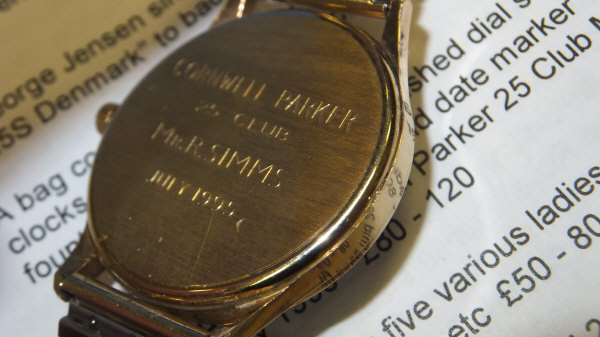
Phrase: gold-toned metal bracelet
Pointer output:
(376, 9)
(248, 171)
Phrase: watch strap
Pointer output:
(233, 9)
(83, 322)
(372, 8)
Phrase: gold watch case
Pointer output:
(246, 172)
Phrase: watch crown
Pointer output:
(105, 115)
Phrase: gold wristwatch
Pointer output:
(247, 172)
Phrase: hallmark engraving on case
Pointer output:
(224, 157)
(172, 139)
(207, 109)
(317, 111)
(219, 79)
(197, 195)
(245, 122)
(265, 128)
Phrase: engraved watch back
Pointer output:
(243, 160)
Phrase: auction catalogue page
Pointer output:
(498, 233)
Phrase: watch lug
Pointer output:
(235, 9)
(83, 259)
(395, 32)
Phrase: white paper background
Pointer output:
(550, 137)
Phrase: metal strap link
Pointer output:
(372, 8)
(83, 322)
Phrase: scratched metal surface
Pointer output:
(237, 152)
